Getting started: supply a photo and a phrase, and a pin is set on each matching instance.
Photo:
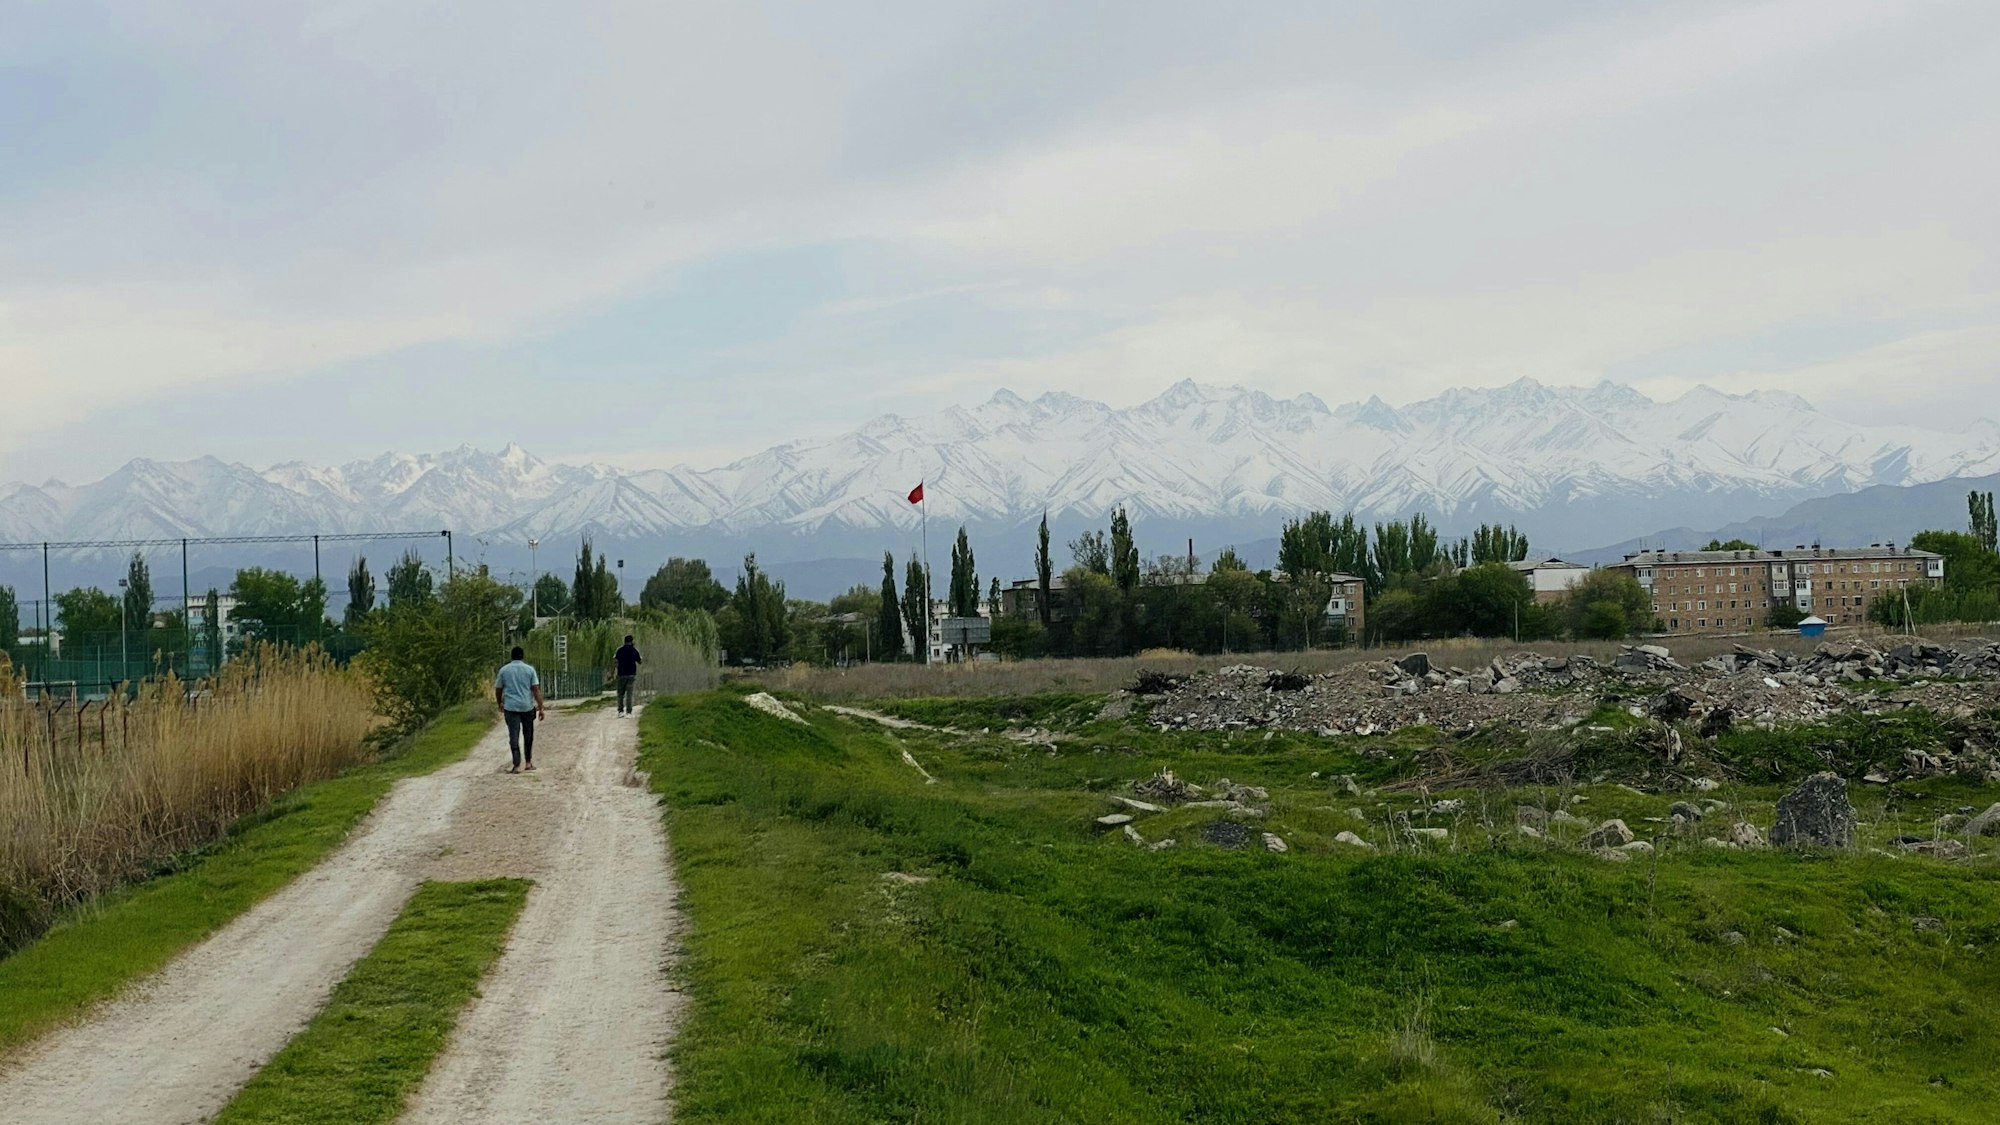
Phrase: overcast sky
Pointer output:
(654, 233)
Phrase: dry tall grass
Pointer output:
(98, 794)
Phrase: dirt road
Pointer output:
(574, 1017)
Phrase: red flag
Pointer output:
(917, 494)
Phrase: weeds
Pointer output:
(94, 801)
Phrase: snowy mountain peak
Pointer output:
(1592, 459)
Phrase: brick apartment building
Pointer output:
(1732, 591)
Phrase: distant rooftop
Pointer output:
(1872, 551)
(1551, 563)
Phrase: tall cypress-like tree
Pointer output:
(583, 586)
(1124, 554)
(993, 598)
(917, 610)
(889, 619)
(360, 592)
(1984, 527)
(1044, 571)
(964, 594)
(138, 595)
(10, 621)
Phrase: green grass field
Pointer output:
(98, 950)
(364, 1054)
(866, 947)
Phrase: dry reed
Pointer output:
(97, 793)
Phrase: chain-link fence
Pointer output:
(95, 665)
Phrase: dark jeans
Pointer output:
(521, 735)
(625, 694)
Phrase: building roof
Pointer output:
(1550, 563)
(1793, 554)
(1812, 620)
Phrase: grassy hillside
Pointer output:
(868, 947)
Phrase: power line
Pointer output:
(192, 540)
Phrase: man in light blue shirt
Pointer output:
(518, 690)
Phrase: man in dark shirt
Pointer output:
(628, 671)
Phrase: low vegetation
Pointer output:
(100, 946)
(364, 1054)
(94, 798)
(867, 946)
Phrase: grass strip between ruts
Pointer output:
(360, 1058)
(130, 933)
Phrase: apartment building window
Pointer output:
(1874, 583)
(1701, 623)
(1701, 605)
(1675, 624)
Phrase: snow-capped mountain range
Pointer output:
(1575, 466)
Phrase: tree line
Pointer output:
(1971, 587)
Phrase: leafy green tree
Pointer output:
(1402, 548)
(360, 593)
(1968, 565)
(993, 599)
(1732, 545)
(1398, 615)
(427, 654)
(551, 597)
(1016, 638)
(1583, 615)
(762, 623)
(1096, 612)
(964, 590)
(593, 594)
(10, 621)
(1044, 573)
(917, 609)
(888, 614)
(1485, 600)
(89, 620)
(1236, 593)
(1090, 551)
(685, 584)
(410, 581)
(275, 607)
(1492, 543)
(1787, 615)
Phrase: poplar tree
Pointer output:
(889, 618)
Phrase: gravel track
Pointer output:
(574, 1018)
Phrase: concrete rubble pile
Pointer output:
(1747, 685)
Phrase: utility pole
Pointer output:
(535, 587)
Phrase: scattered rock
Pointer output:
(1637, 847)
(1924, 924)
(1416, 664)
(1275, 843)
(1530, 814)
(771, 705)
(1166, 787)
(1132, 834)
(1735, 937)
(1114, 820)
(1529, 830)
(1135, 806)
(1684, 812)
(1744, 834)
(1816, 813)
(1614, 855)
(1225, 833)
(1986, 823)
(1450, 806)
(1610, 834)
(1352, 841)
(1705, 784)
(1431, 833)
